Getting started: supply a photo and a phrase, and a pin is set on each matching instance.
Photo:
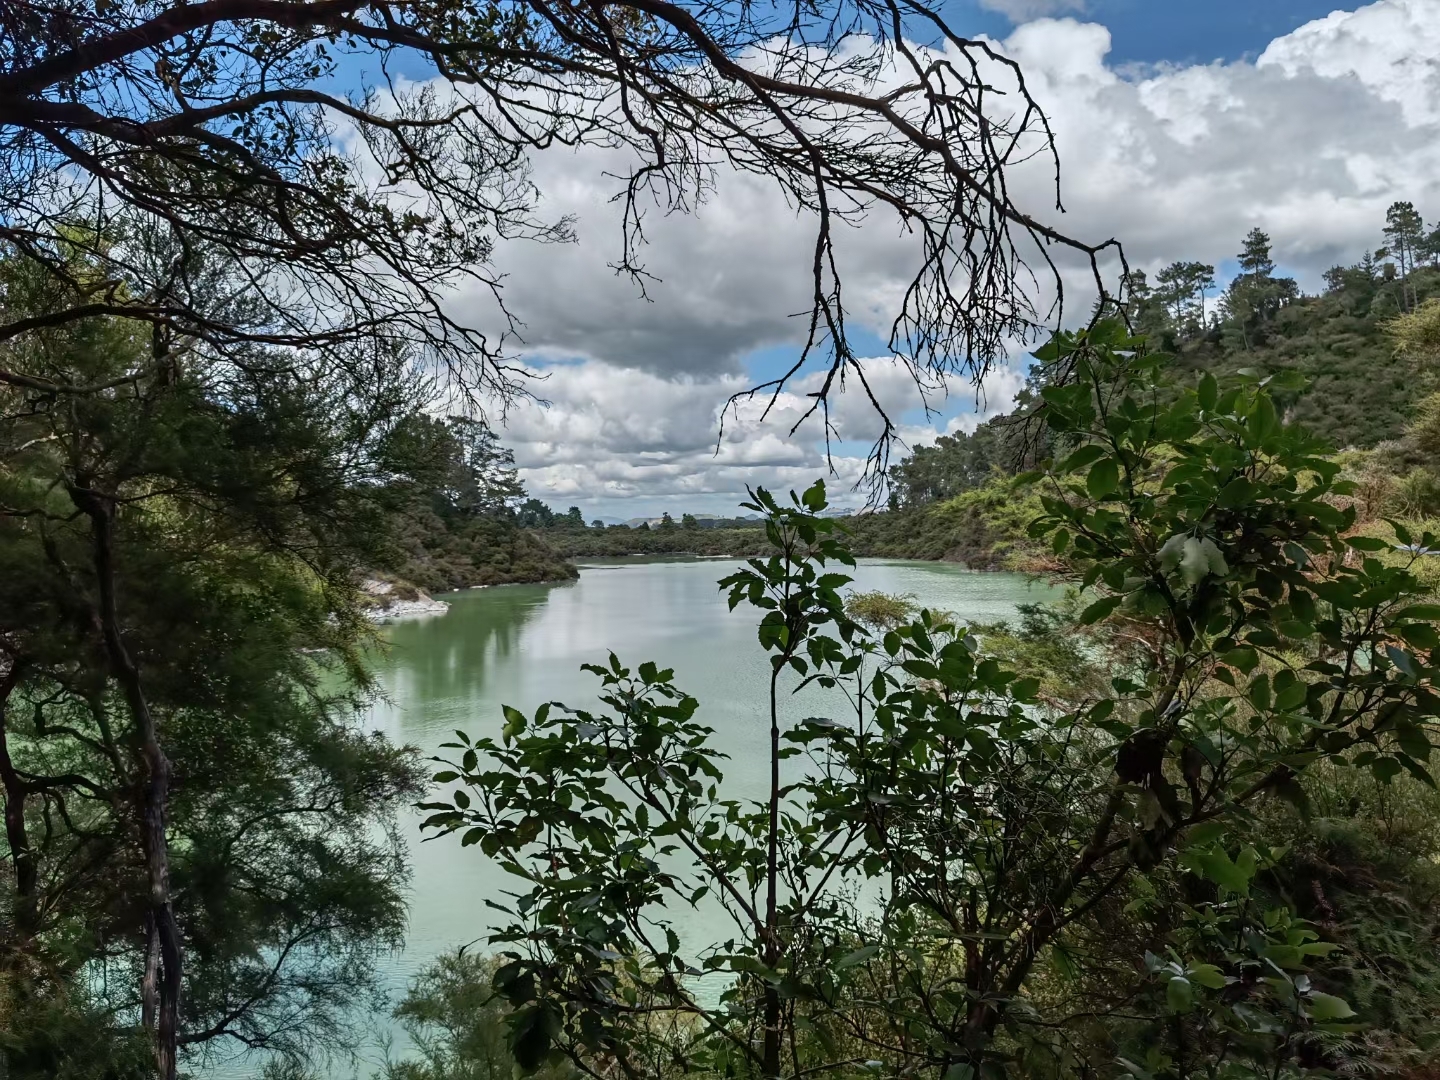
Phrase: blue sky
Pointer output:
(1168, 31)
(1144, 31)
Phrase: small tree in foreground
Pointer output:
(943, 877)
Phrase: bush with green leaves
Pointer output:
(456, 1024)
(946, 877)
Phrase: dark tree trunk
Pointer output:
(26, 911)
(162, 981)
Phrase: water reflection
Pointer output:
(524, 645)
(437, 659)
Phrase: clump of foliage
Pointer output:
(455, 521)
(948, 876)
(457, 1024)
(878, 611)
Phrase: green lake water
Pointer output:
(523, 645)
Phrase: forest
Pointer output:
(1179, 825)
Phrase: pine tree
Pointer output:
(1404, 235)
(1182, 288)
(1255, 262)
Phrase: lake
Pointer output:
(523, 645)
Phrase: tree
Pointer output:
(687, 521)
(1429, 248)
(534, 514)
(1255, 295)
(1182, 286)
(201, 842)
(1011, 847)
(949, 466)
(479, 475)
(574, 518)
(205, 141)
(1146, 307)
(1404, 237)
(667, 523)
(1254, 258)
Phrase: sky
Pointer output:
(1180, 127)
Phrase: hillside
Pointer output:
(1355, 389)
(439, 555)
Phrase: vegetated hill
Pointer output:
(453, 524)
(984, 528)
(579, 542)
(1357, 391)
(440, 555)
(953, 499)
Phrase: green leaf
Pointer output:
(1098, 610)
(514, 723)
(1386, 769)
(1103, 479)
(1179, 994)
(1402, 660)
(1262, 420)
(1086, 455)
(1259, 694)
(814, 497)
(1208, 392)
(1171, 552)
(1214, 560)
(1421, 635)
(532, 1033)
(1208, 976)
(1413, 740)
(1243, 659)
(1024, 690)
(1329, 1007)
(1218, 867)
(1198, 557)
(1419, 613)
(854, 959)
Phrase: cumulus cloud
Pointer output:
(722, 282)
(621, 441)
(1311, 141)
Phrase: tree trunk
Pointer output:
(160, 989)
(26, 910)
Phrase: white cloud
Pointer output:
(1024, 10)
(1311, 142)
(620, 441)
